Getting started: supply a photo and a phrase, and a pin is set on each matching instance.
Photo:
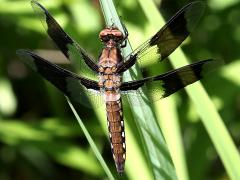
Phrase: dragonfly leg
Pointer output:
(124, 42)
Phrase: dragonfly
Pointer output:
(105, 82)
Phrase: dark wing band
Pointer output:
(172, 81)
(69, 83)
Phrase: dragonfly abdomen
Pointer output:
(116, 133)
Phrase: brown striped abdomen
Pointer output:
(116, 133)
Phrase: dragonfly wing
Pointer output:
(168, 38)
(75, 87)
(65, 43)
(163, 85)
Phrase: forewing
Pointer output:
(170, 36)
(71, 49)
(163, 85)
(77, 88)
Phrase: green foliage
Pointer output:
(40, 138)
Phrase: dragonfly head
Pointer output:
(111, 34)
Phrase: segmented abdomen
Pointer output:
(116, 133)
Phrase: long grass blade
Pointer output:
(91, 142)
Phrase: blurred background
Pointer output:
(39, 136)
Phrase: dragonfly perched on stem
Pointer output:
(106, 85)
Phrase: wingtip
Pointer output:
(217, 62)
(211, 65)
(35, 3)
(20, 52)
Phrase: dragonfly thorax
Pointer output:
(110, 82)
(108, 60)
(107, 69)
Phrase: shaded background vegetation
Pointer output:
(39, 137)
